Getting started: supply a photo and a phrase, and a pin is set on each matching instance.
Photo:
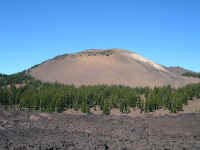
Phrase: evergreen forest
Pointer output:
(46, 97)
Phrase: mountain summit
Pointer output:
(111, 67)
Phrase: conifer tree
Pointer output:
(106, 107)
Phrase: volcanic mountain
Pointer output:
(111, 67)
(179, 70)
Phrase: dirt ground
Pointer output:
(45, 131)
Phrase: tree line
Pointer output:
(18, 78)
(57, 97)
(192, 74)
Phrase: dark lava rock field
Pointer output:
(43, 131)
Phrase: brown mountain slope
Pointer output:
(114, 66)
(178, 70)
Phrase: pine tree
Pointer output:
(106, 107)
(85, 106)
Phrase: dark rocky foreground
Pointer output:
(39, 131)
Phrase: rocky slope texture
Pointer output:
(42, 131)
(178, 70)
(113, 66)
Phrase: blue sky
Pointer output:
(165, 31)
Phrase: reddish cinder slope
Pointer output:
(111, 67)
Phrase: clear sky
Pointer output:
(165, 31)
